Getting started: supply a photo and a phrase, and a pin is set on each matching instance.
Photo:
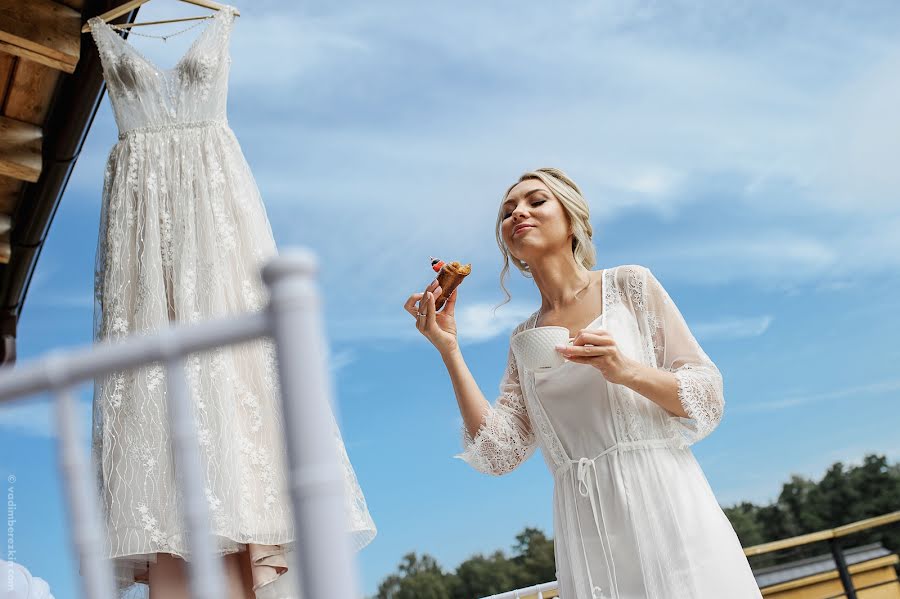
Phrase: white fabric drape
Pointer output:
(634, 516)
(183, 234)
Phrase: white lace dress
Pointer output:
(633, 514)
(183, 233)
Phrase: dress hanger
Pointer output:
(129, 6)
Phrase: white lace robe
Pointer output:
(634, 516)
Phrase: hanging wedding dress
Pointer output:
(183, 234)
(634, 516)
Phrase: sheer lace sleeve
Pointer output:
(505, 439)
(675, 349)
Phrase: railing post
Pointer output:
(843, 570)
(84, 512)
(324, 556)
(204, 566)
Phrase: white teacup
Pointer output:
(536, 349)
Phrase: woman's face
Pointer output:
(533, 221)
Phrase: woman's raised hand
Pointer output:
(438, 327)
(597, 348)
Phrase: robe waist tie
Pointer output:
(586, 469)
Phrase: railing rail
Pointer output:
(292, 318)
(833, 537)
(537, 590)
(823, 535)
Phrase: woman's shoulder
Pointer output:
(627, 274)
(634, 282)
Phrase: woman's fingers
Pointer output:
(450, 305)
(410, 305)
(422, 317)
(593, 337)
(588, 351)
(413, 304)
(421, 313)
(411, 301)
(436, 292)
(429, 310)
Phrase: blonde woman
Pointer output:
(634, 516)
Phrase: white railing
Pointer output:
(537, 591)
(292, 318)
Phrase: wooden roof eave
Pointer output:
(71, 113)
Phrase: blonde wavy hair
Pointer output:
(577, 212)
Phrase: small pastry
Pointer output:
(450, 275)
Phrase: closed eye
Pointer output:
(533, 204)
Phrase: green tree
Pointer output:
(744, 518)
(534, 558)
(479, 576)
(843, 495)
(418, 578)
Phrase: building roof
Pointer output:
(801, 568)
(51, 85)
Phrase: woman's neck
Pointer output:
(561, 281)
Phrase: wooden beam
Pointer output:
(5, 248)
(76, 4)
(9, 194)
(31, 92)
(5, 245)
(7, 64)
(20, 150)
(41, 30)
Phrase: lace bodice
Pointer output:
(144, 95)
(647, 327)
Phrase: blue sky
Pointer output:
(744, 151)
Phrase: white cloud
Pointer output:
(341, 360)
(377, 144)
(857, 165)
(802, 400)
(733, 328)
(767, 259)
(476, 322)
(655, 182)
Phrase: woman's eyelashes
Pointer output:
(533, 205)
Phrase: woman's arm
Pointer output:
(677, 353)
(472, 404)
(497, 438)
(659, 386)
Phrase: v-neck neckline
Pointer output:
(603, 307)
(213, 18)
